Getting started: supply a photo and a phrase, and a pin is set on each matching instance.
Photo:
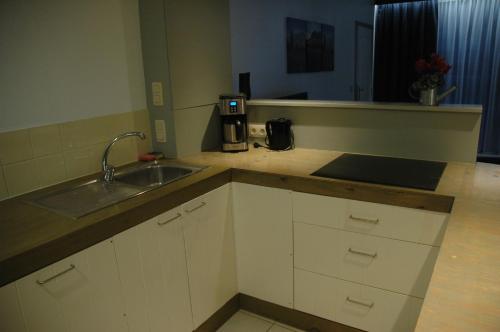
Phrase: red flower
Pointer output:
(422, 66)
(437, 64)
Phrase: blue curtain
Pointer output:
(469, 38)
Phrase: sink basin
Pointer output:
(154, 175)
(83, 199)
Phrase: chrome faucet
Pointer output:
(109, 170)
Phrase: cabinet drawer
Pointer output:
(370, 218)
(359, 306)
(394, 265)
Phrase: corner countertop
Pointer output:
(361, 105)
(464, 292)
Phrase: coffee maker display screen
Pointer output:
(233, 106)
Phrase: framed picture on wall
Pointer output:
(310, 46)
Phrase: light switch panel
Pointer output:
(161, 134)
(157, 89)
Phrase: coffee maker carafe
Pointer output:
(234, 123)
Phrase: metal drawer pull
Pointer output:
(371, 221)
(161, 223)
(363, 253)
(196, 208)
(42, 282)
(364, 304)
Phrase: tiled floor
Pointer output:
(244, 321)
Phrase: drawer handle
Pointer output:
(196, 208)
(371, 221)
(363, 303)
(362, 253)
(42, 282)
(161, 223)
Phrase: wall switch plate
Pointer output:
(257, 130)
(157, 90)
(161, 134)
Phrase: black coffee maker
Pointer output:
(234, 123)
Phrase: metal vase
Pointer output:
(429, 97)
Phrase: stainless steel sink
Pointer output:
(83, 199)
(154, 175)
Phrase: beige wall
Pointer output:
(68, 60)
(197, 129)
(42, 156)
(421, 135)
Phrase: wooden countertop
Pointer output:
(464, 292)
(32, 237)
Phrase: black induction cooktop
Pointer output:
(418, 174)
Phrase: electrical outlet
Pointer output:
(161, 134)
(257, 130)
(157, 90)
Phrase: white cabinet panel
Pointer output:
(395, 265)
(264, 247)
(318, 209)
(210, 249)
(355, 305)
(81, 293)
(11, 319)
(394, 222)
(152, 263)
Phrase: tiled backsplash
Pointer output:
(39, 157)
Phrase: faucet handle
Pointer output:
(109, 173)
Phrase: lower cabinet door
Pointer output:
(209, 234)
(11, 318)
(264, 242)
(152, 263)
(363, 307)
(78, 293)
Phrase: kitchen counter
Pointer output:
(32, 237)
(464, 293)
(365, 105)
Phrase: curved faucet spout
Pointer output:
(109, 170)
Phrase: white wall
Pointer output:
(63, 60)
(431, 135)
(258, 45)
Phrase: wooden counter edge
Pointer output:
(348, 190)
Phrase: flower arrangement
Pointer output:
(431, 72)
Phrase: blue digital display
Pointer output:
(233, 103)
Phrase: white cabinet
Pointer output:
(362, 264)
(78, 293)
(367, 308)
(209, 236)
(152, 264)
(389, 221)
(11, 318)
(264, 247)
(394, 265)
